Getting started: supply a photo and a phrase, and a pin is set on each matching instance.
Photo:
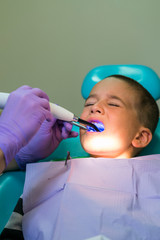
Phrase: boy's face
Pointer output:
(111, 102)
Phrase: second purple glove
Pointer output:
(44, 142)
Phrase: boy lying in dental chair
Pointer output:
(114, 192)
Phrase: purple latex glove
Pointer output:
(44, 142)
(25, 111)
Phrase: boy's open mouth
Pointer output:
(99, 125)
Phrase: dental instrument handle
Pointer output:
(3, 99)
(57, 111)
(61, 113)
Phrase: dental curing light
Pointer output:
(58, 112)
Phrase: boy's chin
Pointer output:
(94, 150)
(102, 147)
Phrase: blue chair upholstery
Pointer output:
(11, 183)
(142, 74)
(11, 187)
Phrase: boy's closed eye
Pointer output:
(114, 104)
(91, 100)
(88, 104)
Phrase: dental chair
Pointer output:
(11, 183)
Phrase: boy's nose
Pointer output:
(97, 108)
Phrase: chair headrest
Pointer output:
(142, 74)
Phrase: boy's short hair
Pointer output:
(147, 108)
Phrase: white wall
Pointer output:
(52, 44)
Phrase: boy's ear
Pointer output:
(142, 138)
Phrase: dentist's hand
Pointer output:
(25, 111)
(44, 142)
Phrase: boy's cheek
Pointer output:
(83, 114)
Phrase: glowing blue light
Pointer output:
(99, 125)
